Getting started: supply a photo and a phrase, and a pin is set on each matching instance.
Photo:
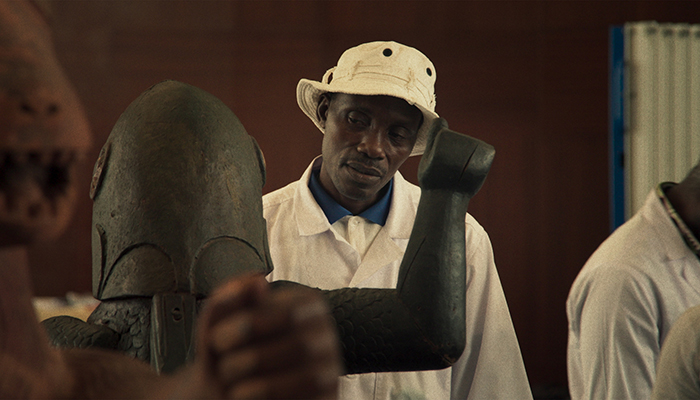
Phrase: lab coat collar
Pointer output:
(653, 211)
(676, 252)
(311, 220)
(308, 215)
(387, 247)
(377, 213)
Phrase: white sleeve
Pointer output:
(613, 335)
(491, 366)
(678, 369)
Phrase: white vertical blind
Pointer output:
(662, 136)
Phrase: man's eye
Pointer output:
(357, 119)
(357, 122)
(398, 135)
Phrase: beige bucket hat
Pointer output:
(378, 68)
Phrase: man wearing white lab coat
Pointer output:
(630, 292)
(678, 370)
(347, 221)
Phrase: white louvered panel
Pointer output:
(662, 138)
(664, 105)
(694, 93)
(680, 103)
(641, 48)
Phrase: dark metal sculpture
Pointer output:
(177, 191)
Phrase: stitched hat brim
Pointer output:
(309, 92)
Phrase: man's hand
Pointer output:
(254, 343)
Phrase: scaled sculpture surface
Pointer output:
(177, 195)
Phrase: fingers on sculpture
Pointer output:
(269, 344)
(251, 343)
(177, 209)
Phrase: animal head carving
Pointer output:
(43, 129)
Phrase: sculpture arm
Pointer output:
(421, 324)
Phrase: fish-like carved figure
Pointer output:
(177, 193)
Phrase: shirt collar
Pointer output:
(334, 211)
(685, 232)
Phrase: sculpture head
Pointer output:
(43, 130)
(177, 192)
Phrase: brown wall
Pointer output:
(529, 77)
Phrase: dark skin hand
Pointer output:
(260, 344)
(253, 343)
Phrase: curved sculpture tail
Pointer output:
(71, 332)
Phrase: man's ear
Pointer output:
(322, 110)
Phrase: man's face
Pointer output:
(367, 139)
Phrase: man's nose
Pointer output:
(371, 144)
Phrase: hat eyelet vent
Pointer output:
(429, 71)
(387, 52)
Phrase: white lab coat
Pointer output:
(678, 369)
(305, 249)
(623, 303)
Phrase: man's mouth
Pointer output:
(364, 169)
(34, 185)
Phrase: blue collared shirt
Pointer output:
(334, 211)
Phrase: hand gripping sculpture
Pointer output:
(177, 194)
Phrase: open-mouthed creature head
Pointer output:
(43, 129)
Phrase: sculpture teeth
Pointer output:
(46, 158)
(20, 158)
(63, 159)
(32, 183)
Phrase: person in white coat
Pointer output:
(630, 292)
(347, 221)
(678, 369)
